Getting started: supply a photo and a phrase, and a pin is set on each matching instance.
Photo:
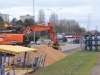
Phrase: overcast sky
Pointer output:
(81, 11)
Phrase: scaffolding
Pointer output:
(7, 51)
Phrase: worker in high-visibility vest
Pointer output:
(48, 44)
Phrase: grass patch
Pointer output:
(78, 63)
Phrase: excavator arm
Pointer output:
(42, 27)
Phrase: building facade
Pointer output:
(5, 17)
(26, 17)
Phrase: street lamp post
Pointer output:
(55, 15)
(34, 21)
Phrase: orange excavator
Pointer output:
(20, 38)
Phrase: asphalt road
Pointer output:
(70, 48)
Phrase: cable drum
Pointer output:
(91, 42)
(86, 42)
(96, 38)
(86, 37)
(90, 38)
(87, 48)
(93, 37)
(96, 43)
(90, 48)
(94, 48)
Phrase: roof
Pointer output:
(77, 36)
(15, 50)
(74, 36)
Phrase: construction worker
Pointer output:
(48, 44)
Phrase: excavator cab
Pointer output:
(26, 40)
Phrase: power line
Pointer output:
(96, 31)
(88, 26)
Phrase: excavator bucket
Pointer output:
(57, 47)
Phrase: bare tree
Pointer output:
(54, 19)
(13, 22)
(1, 23)
(41, 19)
(70, 27)
(41, 16)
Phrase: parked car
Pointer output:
(76, 41)
(31, 43)
(38, 43)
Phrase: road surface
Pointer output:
(70, 48)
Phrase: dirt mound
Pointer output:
(51, 57)
(52, 54)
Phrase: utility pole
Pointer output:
(34, 21)
(96, 31)
(55, 15)
(88, 26)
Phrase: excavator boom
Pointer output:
(42, 27)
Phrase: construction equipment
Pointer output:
(20, 37)
(8, 65)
